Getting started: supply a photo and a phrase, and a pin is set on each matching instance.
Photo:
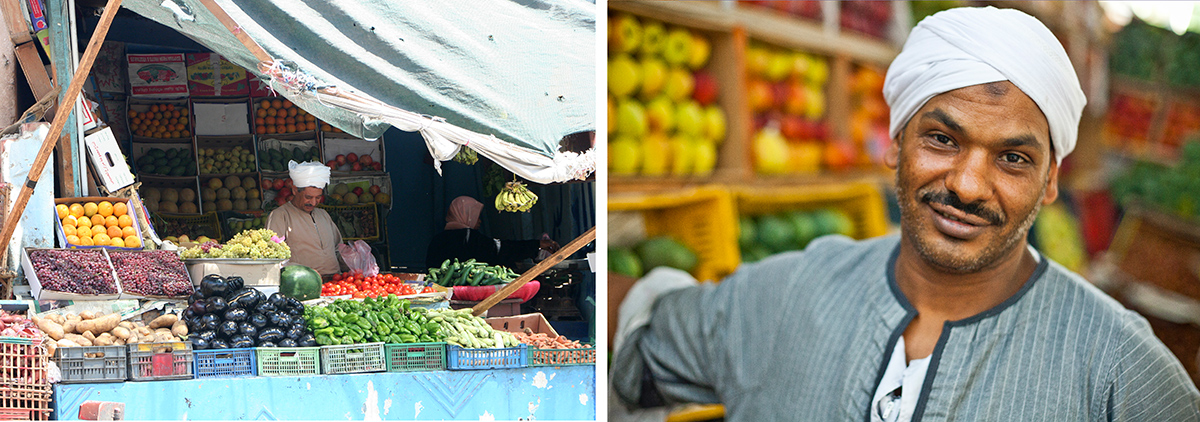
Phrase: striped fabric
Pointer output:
(804, 336)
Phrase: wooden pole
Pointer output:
(60, 119)
(563, 253)
(237, 31)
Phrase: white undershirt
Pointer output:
(908, 377)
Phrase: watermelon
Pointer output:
(299, 282)
(624, 261)
(665, 251)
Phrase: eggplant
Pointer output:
(267, 344)
(216, 305)
(195, 297)
(198, 307)
(236, 314)
(241, 341)
(278, 300)
(235, 283)
(270, 334)
(294, 333)
(246, 298)
(287, 342)
(265, 308)
(218, 343)
(199, 344)
(188, 314)
(280, 319)
(258, 296)
(259, 320)
(213, 285)
(210, 322)
(298, 323)
(228, 329)
(295, 313)
(295, 303)
(308, 340)
(207, 335)
(247, 329)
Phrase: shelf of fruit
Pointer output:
(275, 115)
(231, 193)
(160, 121)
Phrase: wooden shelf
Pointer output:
(621, 185)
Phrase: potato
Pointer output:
(162, 330)
(67, 343)
(164, 321)
(58, 318)
(133, 338)
(121, 333)
(105, 339)
(103, 324)
(180, 329)
(78, 339)
(143, 331)
(118, 342)
(127, 325)
(51, 347)
(88, 335)
(86, 315)
(164, 337)
(48, 326)
(73, 317)
(69, 327)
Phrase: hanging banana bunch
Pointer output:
(467, 156)
(515, 197)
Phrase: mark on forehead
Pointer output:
(997, 89)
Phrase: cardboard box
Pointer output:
(109, 69)
(107, 159)
(157, 75)
(209, 74)
(35, 285)
(62, 238)
(218, 119)
(255, 272)
(536, 322)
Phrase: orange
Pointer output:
(105, 208)
(97, 220)
(68, 230)
(133, 242)
(287, 104)
(154, 108)
(85, 241)
(101, 238)
(73, 239)
(90, 208)
(281, 128)
(291, 112)
(62, 210)
(116, 241)
(291, 127)
(270, 120)
(276, 104)
(272, 112)
(125, 221)
(132, 114)
(111, 221)
(260, 130)
(83, 232)
(311, 125)
(290, 120)
(120, 209)
(83, 222)
(70, 220)
(265, 104)
(260, 121)
(114, 231)
(76, 210)
(271, 129)
(128, 231)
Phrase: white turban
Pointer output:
(963, 47)
(310, 174)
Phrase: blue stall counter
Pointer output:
(535, 393)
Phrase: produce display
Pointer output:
(276, 159)
(768, 234)
(225, 314)
(98, 224)
(515, 197)
(275, 115)
(280, 188)
(80, 271)
(355, 223)
(379, 285)
(1183, 121)
(300, 282)
(1173, 189)
(1184, 59)
(326, 127)
(467, 156)
(872, 18)
(468, 331)
(388, 320)
(1129, 117)
(251, 244)
(807, 9)
(17, 325)
(75, 330)
(868, 123)
(354, 162)
(231, 193)
(649, 254)
(663, 117)
(470, 273)
(241, 224)
(160, 121)
(152, 273)
(168, 162)
(786, 92)
(555, 350)
(170, 200)
(1137, 50)
(236, 159)
(341, 194)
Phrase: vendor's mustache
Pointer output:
(976, 208)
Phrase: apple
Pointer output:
(333, 164)
(279, 184)
(770, 151)
(377, 165)
(706, 158)
(698, 54)
(705, 91)
(357, 190)
(341, 159)
(660, 114)
(779, 65)
(352, 158)
(656, 154)
(280, 200)
(624, 156)
(626, 34)
(266, 184)
(678, 46)
(795, 98)
(375, 189)
(714, 124)
(366, 160)
(287, 183)
(680, 84)
(612, 115)
(624, 76)
(654, 36)
(654, 75)
(689, 118)
(756, 60)
(759, 96)
(683, 155)
(356, 167)
(631, 118)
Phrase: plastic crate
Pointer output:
(224, 363)
(283, 361)
(415, 357)
(364, 230)
(459, 358)
(562, 357)
(702, 218)
(22, 360)
(194, 226)
(352, 358)
(861, 201)
(160, 361)
(18, 405)
(89, 364)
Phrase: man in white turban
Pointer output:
(308, 230)
(955, 318)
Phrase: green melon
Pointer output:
(623, 261)
(300, 282)
(775, 233)
(665, 251)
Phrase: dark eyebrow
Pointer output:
(1021, 141)
(941, 116)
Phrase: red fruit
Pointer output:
(341, 159)
(374, 188)
(280, 183)
(280, 200)
(793, 127)
(366, 160)
(266, 184)
(357, 191)
(352, 158)
(378, 166)
(287, 183)
(356, 167)
(705, 91)
(333, 164)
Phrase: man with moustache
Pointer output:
(957, 317)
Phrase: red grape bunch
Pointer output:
(73, 271)
(152, 273)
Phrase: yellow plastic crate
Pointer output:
(862, 201)
(702, 218)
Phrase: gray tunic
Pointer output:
(806, 336)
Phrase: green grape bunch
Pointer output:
(252, 244)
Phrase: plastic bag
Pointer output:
(357, 256)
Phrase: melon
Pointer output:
(299, 282)
(665, 251)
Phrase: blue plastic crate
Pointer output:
(467, 359)
(224, 363)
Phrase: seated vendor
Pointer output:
(306, 229)
(462, 240)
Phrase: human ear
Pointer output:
(892, 157)
(1051, 183)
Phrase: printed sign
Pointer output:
(157, 75)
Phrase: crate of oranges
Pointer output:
(159, 120)
(97, 222)
(276, 115)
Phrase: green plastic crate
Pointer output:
(352, 358)
(160, 361)
(415, 357)
(562, 357)
(284, 361)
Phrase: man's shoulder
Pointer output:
(1068, 298)
(838, 253)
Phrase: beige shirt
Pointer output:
(313, 238)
